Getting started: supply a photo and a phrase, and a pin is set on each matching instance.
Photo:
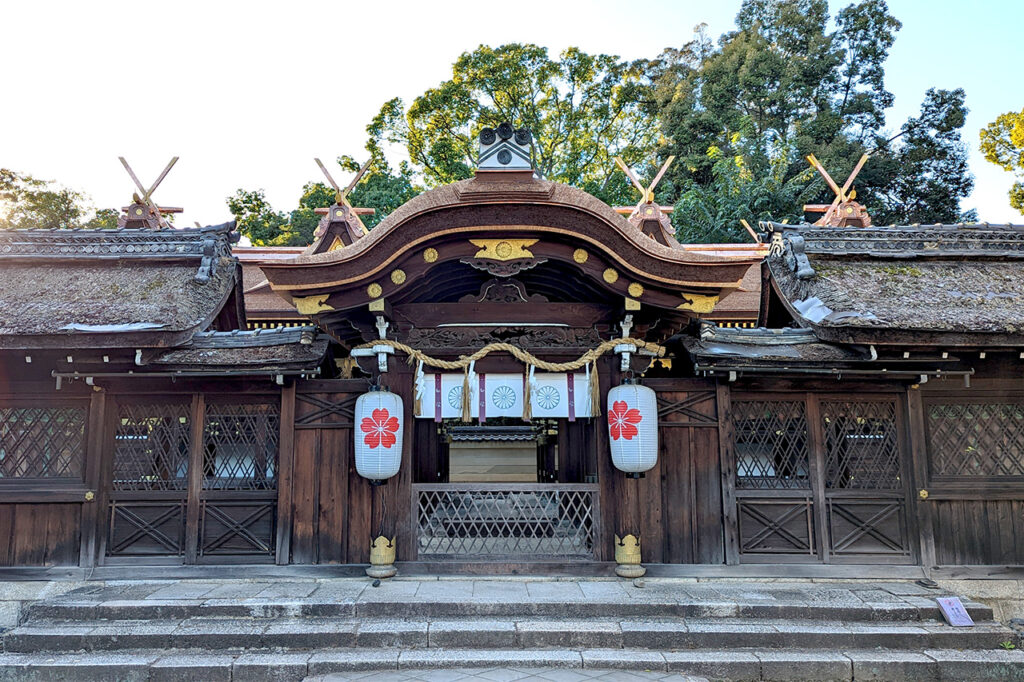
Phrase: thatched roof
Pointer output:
(936, 284)
(261, 350)
(112, 288)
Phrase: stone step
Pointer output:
(906, 609)
(750, 664)
(475, 633)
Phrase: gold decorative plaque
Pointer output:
(698, 303)
(503, 249)
(580, 256)
(430, 255)
(311, 305)
(636, 290)
(374, 290)
(398, 276)
(610, 276)
(336, 244)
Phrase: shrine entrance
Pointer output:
(508, 490)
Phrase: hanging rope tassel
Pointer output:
(420, 387)
(527, 391)
(467, 409)
(595, 391)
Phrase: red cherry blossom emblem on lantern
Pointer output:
(380, 429)
(622, 420)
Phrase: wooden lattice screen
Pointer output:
(975, 439)
(42, 442)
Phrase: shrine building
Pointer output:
(508, 375)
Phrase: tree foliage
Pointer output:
(582, 109)
(29, 203)
(785, 74)
(713, 210)
(1002, 143)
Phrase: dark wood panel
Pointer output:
(40, 534)
(979, 532)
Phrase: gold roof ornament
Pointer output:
(844, 211)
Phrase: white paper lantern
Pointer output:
(378, 434)
(633, 428)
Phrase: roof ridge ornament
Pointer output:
(505, 148)
(844, 211)
(144, 212)
(648, 216)
(341, 215)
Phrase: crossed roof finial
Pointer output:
(843, 211)
(144, 212)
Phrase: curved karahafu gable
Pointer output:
(504, 223)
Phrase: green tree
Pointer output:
(787, 73)
(29, 203)
(582, 110)
(711, 212)
(256, 218)
(1002, 143)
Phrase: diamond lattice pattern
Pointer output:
(458, 523)
(771, 444)
(976, 439)
(152, 447)
(42, 442)
(240, 444)
(861, 446)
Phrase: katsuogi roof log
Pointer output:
(956, 285)
(112, 288)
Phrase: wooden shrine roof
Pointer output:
(749, 347)
(939, 284)
(555, 223)
(261, 303)
(112, 288)
(267, 350)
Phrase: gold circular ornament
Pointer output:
(398, 276)
(580, 256)
(374, 290)
(610, 276)
(503, 249)
(636, 290)
(430, 255)
(138, 211)
(650, 211)
(338, 214)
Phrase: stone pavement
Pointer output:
(506, 675)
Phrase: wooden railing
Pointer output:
(506, 521)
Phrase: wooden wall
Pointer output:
(40, 534)
(677, 506)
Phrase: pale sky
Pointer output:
(247, 93)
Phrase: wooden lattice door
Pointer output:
(193, 479)
(820, 478)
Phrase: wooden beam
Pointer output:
(628, 210)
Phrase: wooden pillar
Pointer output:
(919, 457)
(195, 479)
(727, 453)
(400, 519)
(91, 516)
(285, 468)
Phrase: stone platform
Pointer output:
(291, 629)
